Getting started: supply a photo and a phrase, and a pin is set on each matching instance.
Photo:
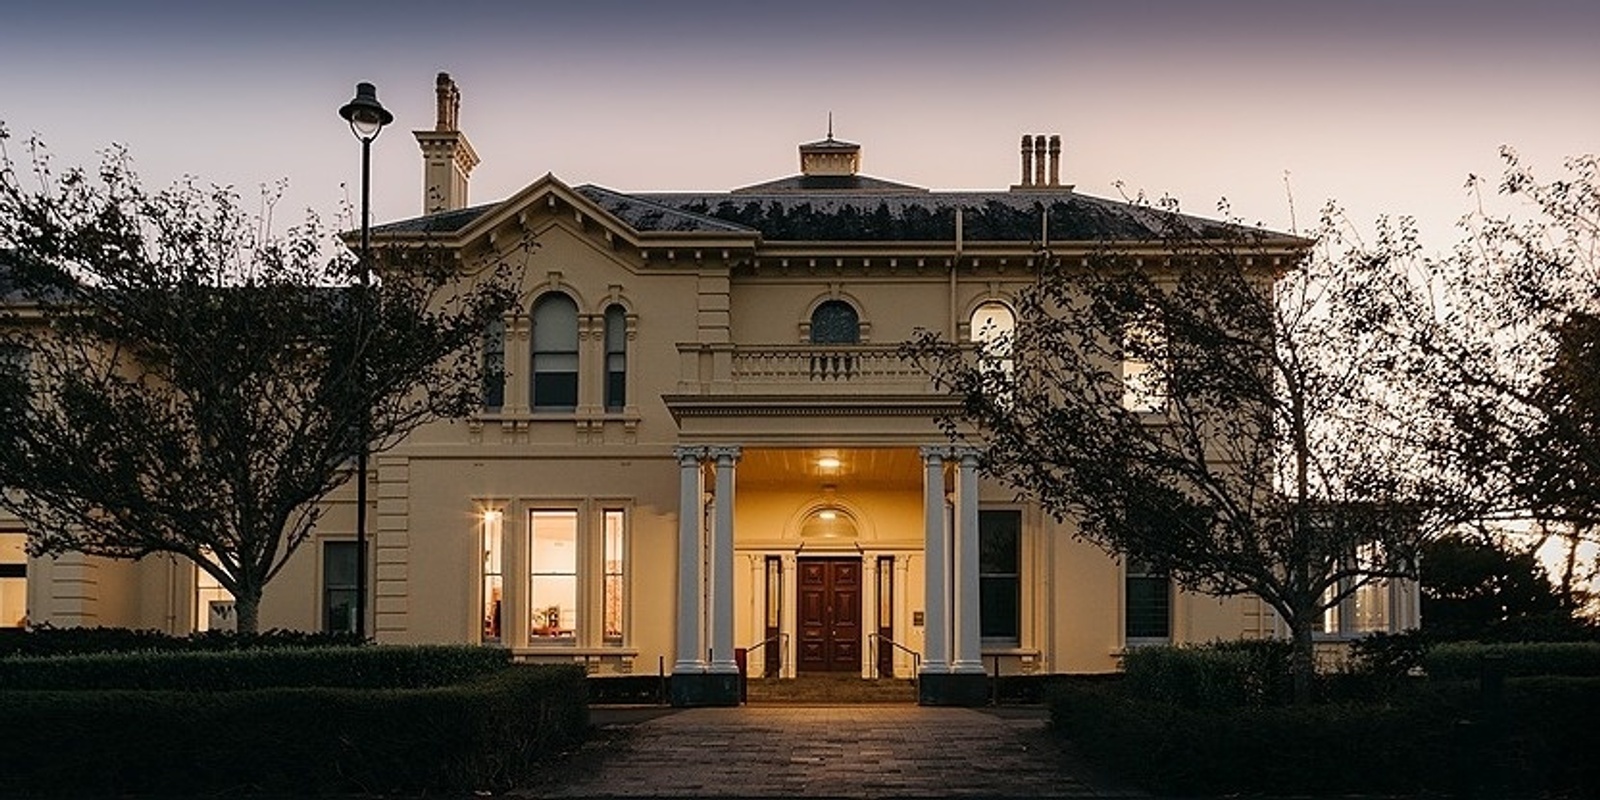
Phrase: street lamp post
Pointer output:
(366, 117)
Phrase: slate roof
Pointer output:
(873, 210)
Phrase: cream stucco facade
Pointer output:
(706, 442)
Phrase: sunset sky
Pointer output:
(1384, 106)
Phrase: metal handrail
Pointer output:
(782, 639)
(916, 657)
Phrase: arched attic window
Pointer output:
(835, 322)
(555, 353)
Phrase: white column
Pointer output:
(788, 623)
(902, 614)
(870, 644)
(722, 563)
(689, 656)
(935, 599)
(968, 653)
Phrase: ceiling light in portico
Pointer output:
(828, 462)
(828, 514)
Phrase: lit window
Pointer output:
(616, 358)
(494, 365)
(616, 576)
(999, 575)
(339, 561)
(993, 330)
(555, 353)
(553, 580)
(835, 322)
(493, 574)
(213, 605)
(1148, 609)
(1144, 383)
(13, 580)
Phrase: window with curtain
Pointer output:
(555, 353)
(616, 358)
(553, 577)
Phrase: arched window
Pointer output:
(494, 365)
(555, 353)
(993, 324)
(616, 358)
(835, 322)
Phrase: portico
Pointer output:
(861, 560)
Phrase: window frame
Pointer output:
(327, 589)
(989, 577)
(826, 306)
(1135, 571)
(541, 351)
(615, 335)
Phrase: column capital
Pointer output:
(724, 453)
(966, 454)
(934, 453)
(688, 455)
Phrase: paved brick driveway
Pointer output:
(833, 751)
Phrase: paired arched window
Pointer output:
(616, 358)
(835, 322)
(555, 353)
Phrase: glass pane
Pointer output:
(616, 388)
(1149, 607)
(835, 322)
(998, 535)
(998, 607)
(616, 330)
(493, 574)
(555, 324)
(555, 390)
(338, 564)
(616, 573)
(553, 584)
(885, 593)
(1372, 608)
(553, 606)
(774, 589)
(340, 614)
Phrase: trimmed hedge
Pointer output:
(1458, 660)
(1216, 675)
(372, 667)
(48, 641)
(1431, 738)
(483, 735)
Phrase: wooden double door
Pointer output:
(829, 615)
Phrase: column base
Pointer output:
(691, 689)
(953, 689)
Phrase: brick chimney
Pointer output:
(447, 156)
(1041, 163)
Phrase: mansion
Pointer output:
(705, 446)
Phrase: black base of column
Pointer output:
(953, 689)
(705, 689)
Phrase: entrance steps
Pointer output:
(830, 689)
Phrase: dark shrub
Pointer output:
(48, 641)
(1457, 660)
(1217, 675)
(372, 667)
(484, 735)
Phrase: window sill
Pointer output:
(574, 651)
(1008, 650)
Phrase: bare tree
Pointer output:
(1504, 334)
(182, 380)
(1208, 404)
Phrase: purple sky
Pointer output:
(1384, 106)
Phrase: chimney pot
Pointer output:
(1055, 160)
(1038, 159)
(1027, 159)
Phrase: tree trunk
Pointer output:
(247, 611)
(1303, 659)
